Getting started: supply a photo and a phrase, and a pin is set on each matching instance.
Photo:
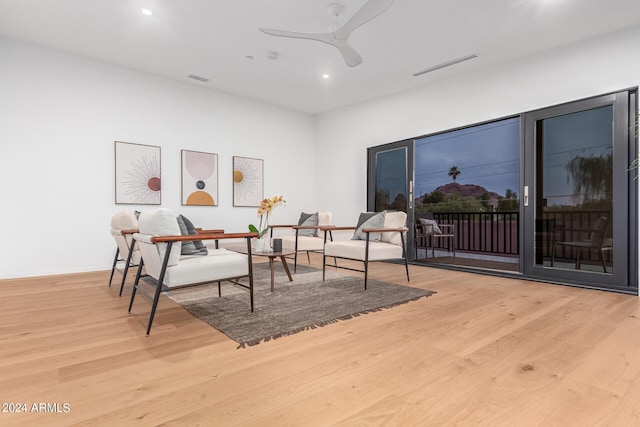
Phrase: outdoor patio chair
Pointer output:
(596, 241)
(307, 237)
(428, 231)
(160, 239)
(379, 236)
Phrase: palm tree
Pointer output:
(454, 172)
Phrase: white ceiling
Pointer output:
(212, 38)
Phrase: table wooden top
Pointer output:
(242, 248)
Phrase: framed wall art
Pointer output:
(248, 181)
(138, 180)
(199, 178)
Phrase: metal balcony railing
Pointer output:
(486, 232)
(497, 233)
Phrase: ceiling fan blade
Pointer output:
(321, 37)
(366, 13)
(351, 57)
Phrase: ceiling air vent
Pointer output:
(446, 64)
(199, 78)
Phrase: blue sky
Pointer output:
(486, 155)
(587, 134)
(489, 155)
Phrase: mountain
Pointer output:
(466, 190)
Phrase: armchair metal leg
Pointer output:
(366, 273)
(156, 295)
(433, 246)
(453, 245)
(324, 264)
(404, 254)
(604, 264)
(135, 284)
(115, 262)
(366, 262)
(126, 267)
(251, 289)
(250, 267)
(295, 255)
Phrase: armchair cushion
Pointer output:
(324, 218)
(199, 269)
(125, 220)
(369, 220)
(161, 222)
(304, 243)
(393, 220)
(307, 219)
(355, 249)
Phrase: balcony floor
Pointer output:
(469, 259)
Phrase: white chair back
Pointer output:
(154, 223)
(125, 220)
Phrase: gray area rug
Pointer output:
(306, 302)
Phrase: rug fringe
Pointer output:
(251, 343)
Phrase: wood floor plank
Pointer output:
(482, 351)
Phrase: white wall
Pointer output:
(60, 113)
(574, 72)
(59, 117)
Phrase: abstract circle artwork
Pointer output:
(137, 174)
(199, 178)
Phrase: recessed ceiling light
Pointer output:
(146, 12)
(325, 76)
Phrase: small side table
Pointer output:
(272, 256)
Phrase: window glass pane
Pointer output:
(391, 180)
(574, 170)
(470, 179)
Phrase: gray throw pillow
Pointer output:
(308, 220)
(188, 248)
(430, 226)
(195, 247)
(369, 220)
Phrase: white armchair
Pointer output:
(159, 239)
(123, 225)
(379, 236)
(307, 237)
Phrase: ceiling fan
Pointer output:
(338, 37)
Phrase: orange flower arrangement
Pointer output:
(266, 206)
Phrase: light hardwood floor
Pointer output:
(483, 351)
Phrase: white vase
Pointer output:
(262, 245)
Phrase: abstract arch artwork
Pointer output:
(137, 174)
(199, 178)
(247, 181)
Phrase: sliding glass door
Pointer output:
(389, 171)
(390, 168)
(576, 193)
(545, 195)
